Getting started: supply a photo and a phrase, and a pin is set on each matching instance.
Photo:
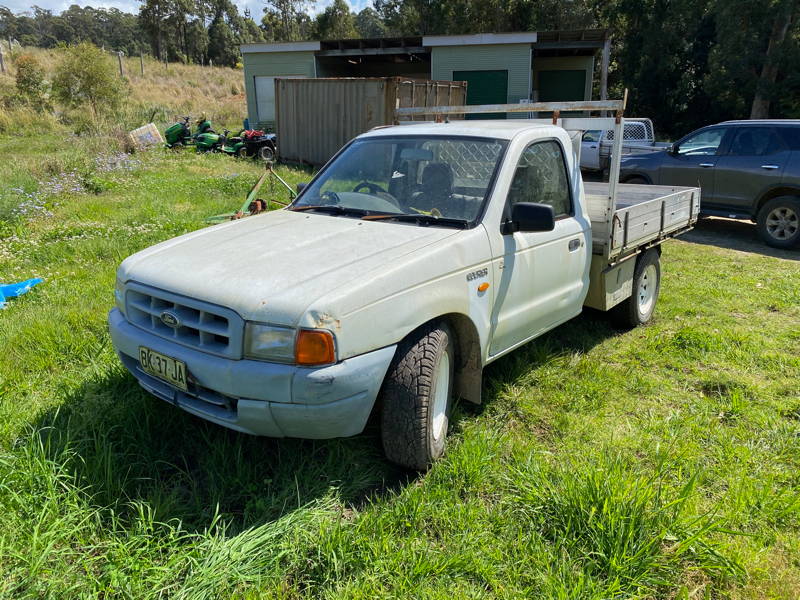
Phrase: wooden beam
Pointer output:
(374, 51)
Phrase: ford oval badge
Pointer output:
(170, 319)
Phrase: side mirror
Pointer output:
(530, 217)
(301, 187)
(671, 150)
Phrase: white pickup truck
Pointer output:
(637, 138)
(415, 257)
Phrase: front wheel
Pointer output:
(778, 222)
(266, 153)
(416, 397)
(637, 181)
(638, 308)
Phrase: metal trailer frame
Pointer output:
(646, 217)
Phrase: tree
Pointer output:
(769, 71)
(222, 47)
(292, 15)
(87, 77)
(30, 80)
(368, 24)
(335, 22)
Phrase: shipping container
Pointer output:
(314, 118)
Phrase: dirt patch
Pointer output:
(740, 236)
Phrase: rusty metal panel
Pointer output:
(314, 118)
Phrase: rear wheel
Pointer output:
(241, 152)
(778, 222)
(638, 308)
(416, 397)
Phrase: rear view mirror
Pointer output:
(416, 154)
(301, 187)
(531, 216)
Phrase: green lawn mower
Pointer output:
(247, 143)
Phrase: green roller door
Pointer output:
(485, 87)
(561, 86)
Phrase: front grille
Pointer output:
(203, 326)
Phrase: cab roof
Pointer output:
(500, 129)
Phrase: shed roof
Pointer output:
(578, 42)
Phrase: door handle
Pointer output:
(574, 245)
(592, 147)
(770, 167)
(706, 165)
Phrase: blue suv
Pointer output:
(746, 169)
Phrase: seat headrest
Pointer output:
(438, 178)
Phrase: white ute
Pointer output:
(415, 257)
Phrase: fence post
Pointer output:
(165, 60)
(119, 56)
(10, 48)
(210, 63)
(2, 63)
(141, 61)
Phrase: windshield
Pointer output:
(444, 177)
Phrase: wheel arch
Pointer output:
(467, 344)
(629, 176)
(774, 191)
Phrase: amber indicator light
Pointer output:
(314, 347)
(483, 287)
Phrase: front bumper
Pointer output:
(262, 398)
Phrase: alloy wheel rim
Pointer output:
(647, 289)
(440, 396)
(782, 223)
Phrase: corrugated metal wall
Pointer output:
(274, 64)
(316, 117)
(516, 58)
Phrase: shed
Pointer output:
(498, 67)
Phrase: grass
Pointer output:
(161, 95)
(662, 462)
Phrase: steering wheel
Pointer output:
(378, 191)
(371, 187)
(329, 197)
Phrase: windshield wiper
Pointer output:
(334, 208)
(420, 219)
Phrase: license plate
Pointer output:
(169, 369)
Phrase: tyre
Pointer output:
(638, 308)
(638, 181)
(778, 222)
(241, 152)
(416, 397)
(266, 153)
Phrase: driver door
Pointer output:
(542, 276)
(692, 161)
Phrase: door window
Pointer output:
(541, 176)
(755, 141)
(705, 143)
(592, 136)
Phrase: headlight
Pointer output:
(268, 342)
(119, 295)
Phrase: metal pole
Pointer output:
(604, 73)
(119, 56)
(141, 61)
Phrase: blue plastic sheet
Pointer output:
(12, 290)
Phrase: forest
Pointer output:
(686, 62)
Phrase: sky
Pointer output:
(132, 6)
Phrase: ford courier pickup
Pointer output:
(415, 257)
